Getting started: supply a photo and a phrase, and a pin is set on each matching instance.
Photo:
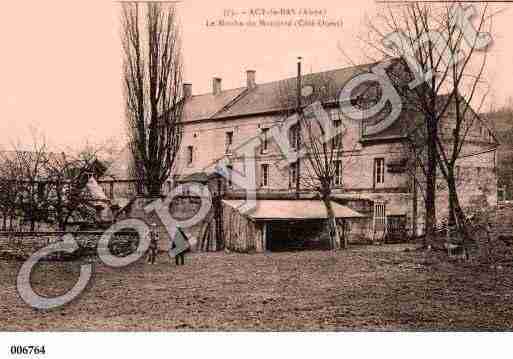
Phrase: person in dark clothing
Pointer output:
(180, 258)
(152, 250)
(182, 246)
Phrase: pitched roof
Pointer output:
(501, 123)
(260, 99)
(201, 107)
(96, 190)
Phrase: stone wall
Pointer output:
(476, 183)
(208, 139)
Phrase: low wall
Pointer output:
(21, 245)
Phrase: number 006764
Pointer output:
(27, 349)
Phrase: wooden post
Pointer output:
(264, 237)
(298, 141)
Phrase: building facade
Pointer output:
(374, 176)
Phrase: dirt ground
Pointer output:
(363, 288)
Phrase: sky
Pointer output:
(61, 60)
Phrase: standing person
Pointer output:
(180, 258)
(180, 245)
(154, 238)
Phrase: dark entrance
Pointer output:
(296, 235)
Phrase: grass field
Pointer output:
(363, 288)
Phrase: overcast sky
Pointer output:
(61, 61)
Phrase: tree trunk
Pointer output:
(430, 198)
(4, 224)
(154, 190)
(456, 214)
(414, 209)
(451, 188)
(332, 227)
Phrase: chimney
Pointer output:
(187, 90)
(216, 85)
(250, 79)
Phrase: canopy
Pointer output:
(294, 209)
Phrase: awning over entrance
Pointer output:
(294, 210)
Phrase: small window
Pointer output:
(293, 175)
(229, 141)
(380, 218)
(337, 138)
(230, 169)
(337, 175)
(190, 155)
(265, 140)
(501, 194)
(347, 226)
(294, 136)
(264, 175)
(379, 171)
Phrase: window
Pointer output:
(501, 194)
(396, 226)
(264, 175)
(337, 138)
(265, 132)
(293, 175)
(337, 176)
(379, 171)
(379, 220)
(40, 190)
(229, 141)
(230, 169)
(190, 155)
(294, 136)
(347, 226)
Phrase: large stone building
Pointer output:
(374, 187)
(374, 179)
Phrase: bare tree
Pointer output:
(69, 199)
(318, 134)
(153, 90)
(38, 186)
(11, 185)
(429, 76)
(27, 173)
(463, 82)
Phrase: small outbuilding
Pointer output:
(276, 225)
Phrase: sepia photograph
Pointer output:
(297, 178)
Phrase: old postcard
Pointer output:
(254, 166)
